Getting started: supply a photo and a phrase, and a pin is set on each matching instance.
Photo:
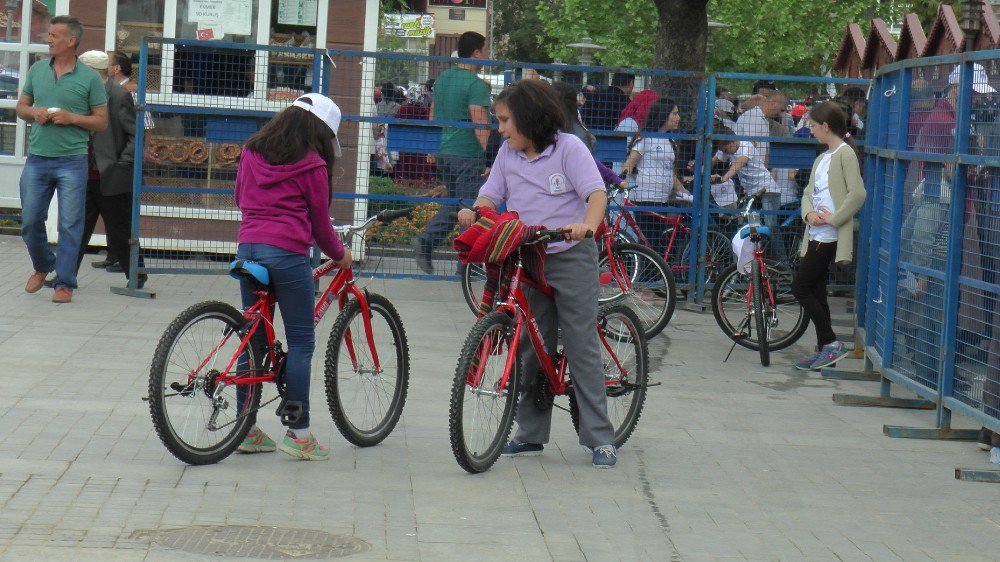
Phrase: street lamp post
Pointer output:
(971, 21)
(587, 49)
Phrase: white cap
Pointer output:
(95, 59)
(724, 105)
(328, 112)
(980, 82)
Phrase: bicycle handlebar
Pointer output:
(544, 235)
(385, 216)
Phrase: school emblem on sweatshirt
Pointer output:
(557, 184)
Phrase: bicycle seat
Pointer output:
(249, 270)
(762, 230)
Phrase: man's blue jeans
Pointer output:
(292, 282)
(66, 177)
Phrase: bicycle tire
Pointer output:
(496, 331)
(652, 293)
(348, 384)
(760, 323)
(187, 343)
(622, 343)
(473, 278)
(719, 255)
(729, 308)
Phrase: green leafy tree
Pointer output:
(518, 32)
(767, 36)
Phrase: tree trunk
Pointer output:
(681, 35)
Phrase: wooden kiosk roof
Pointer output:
(880, 48)
(850, 53)
(912, 38)
(946, 36)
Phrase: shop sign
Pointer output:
(409, 25)
(216, 19)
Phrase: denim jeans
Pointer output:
(463, 177)
(66, 177)
(291, 280)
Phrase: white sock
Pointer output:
(301, 433)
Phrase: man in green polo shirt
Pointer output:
(65, 101)
(459, 95)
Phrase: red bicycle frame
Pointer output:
(342, 286)
(515, 304)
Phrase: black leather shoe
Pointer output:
(142, 280)
(115, 268)
(103, 263)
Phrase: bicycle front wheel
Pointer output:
(484, 393)
(366, 400)
(625, 364)
(760, 323)
(473, 276)
(786, 320)
(195, 416)
(646, 285)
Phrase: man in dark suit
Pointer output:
(603, 108)
(112, 155)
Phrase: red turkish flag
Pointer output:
(206, 34)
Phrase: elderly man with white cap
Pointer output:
(109, 181)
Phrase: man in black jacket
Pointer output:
(112, 155)
(603, 107)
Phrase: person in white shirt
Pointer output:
(656, 178)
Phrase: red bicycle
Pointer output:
(679, 244)
(206, 356)
(754, 306)
(484, 393)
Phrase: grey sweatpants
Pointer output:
(573, 276)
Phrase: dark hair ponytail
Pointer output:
(835, 116)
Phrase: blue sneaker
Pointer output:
(830, 354)
(518, 449)
(807, 363)
(605, 456)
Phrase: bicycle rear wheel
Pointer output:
(625, 361)
(786, 321)
(366, 402)
(718, 255)
(484, 393)
(757, 304)
(648, 286)
(473, 276)
(196, 417)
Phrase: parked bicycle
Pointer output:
(196, 370)
(484, 394)
(680, 242)
(752, 300)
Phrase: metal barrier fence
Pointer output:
(928, 300)
(419, 146)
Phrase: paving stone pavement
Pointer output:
(730, 461)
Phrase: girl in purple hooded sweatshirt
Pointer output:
(283, 188)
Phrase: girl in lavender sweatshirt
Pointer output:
(283, 188)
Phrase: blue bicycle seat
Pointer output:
(762, 230)
(249, 270)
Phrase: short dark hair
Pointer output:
(719, 90)
(763, 83)
(853, 94)
(74, 26)
(658, 115)
(622, 79)
(292, 134)
(122, 60)
(534, 106)
(567, 100)
(470, 42)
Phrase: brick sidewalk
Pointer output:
(729, 461)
